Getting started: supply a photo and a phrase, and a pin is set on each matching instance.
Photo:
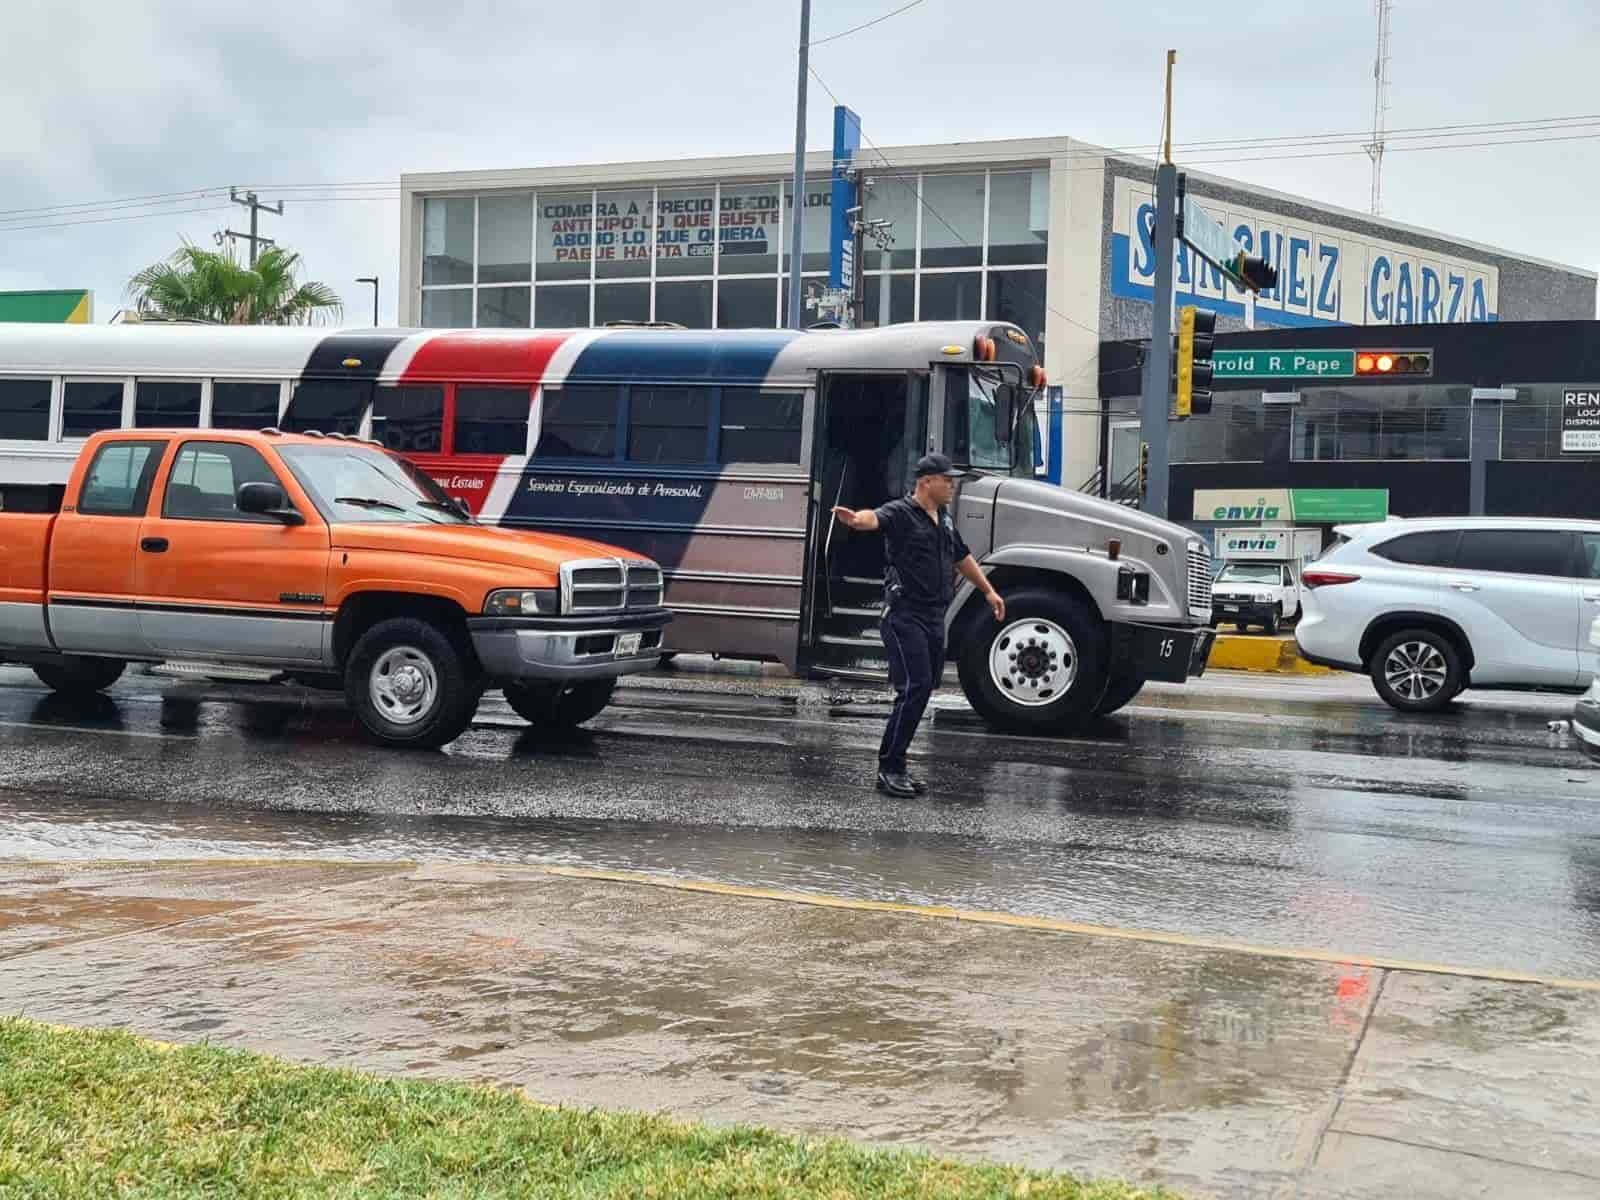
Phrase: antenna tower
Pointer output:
(1380, 102)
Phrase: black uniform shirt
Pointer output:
(924, 553)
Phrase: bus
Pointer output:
(718, 454)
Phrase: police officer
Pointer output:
(922, 551)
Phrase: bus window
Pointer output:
(760, 427)
(668, 424)
(328, 405)
(409, 419)
(491, 420)
(90, 407)
(969, 423)
(240, 405)
(579, 421)
(166, 404)
(25, 409)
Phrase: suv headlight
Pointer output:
(523, 602)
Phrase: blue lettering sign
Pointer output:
(1184, 280)
(1430, 295)
(1272, 255)
(1144, 257)
(1328, 281)
(1299, 284)
(1378, 301)
(1405, 308)
(1480, 302)
(1458, 287)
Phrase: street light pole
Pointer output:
(373, 280)
(799, 166)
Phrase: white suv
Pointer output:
(1431, 607)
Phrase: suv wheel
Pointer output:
(1417, 670)
(409, 686)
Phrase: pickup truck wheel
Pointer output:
(1274, 623)
(1417, 670)
(559, 706)
(1043, 670)
(75, 675)
(408, 685)
(1122, 687)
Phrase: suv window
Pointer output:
(118, 481)
(1432, 548)
(204, 482)
(1516, 551)
(1589, 556)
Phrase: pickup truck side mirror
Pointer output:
(268, 500)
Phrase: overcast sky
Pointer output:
(106, 101)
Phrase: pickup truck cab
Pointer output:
(1255, 593)
(324, 556)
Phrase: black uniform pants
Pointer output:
(916, 662)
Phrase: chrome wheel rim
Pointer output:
(1033, 662)
(1416, 671)
(403, 685)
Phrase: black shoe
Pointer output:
(920, 787)
(895, 784)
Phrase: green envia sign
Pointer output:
(1326, 505)
(1283, 364)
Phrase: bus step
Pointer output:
(851, 610)
(863, 581)
(863, 673)
(834, 639)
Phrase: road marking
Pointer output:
(138, 733)
(1003, 920)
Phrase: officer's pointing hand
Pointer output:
(997, 605)
(846, 516)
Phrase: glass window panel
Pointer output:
(243, 405)
(505, 239)
(1449, 433)
(90, 407)
(205, 479)
(747, 303)
(893, 198)
(814, 226)
(1019, 216)
(621, 302)
(505, 307)
(668, 424)
(1516, 551)
(623, 232)
(686, 304)
(451, 309)
(1434, 548)
(1199, 440)
(171, 404)
(749, 228)
(563, 235)
(760, 427)
(685, 233)
(902, 299)
(952, 297)
(119, 479)
(25, 409)
(409, 419)
(1018, 297)
(579, 421)
(1244, 439)
(1589, 556)
(952, 220)
(562, 308)
(492, 420)
(1525, 431)
(447, 240)
(328, 405)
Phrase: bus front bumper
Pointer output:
(576, 647)
(1167, 653)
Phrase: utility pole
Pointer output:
(799, 166)
(1155, 401)
(249, 200)
(1380, 103)
(373, 280)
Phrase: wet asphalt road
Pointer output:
(1275, 811)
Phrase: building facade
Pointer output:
(1049, 233)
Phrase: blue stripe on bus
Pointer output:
(656, 357)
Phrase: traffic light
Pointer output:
(1394, 362)
(1191, 361)
(1255, 273)
(1144, 467)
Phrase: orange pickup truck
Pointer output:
(323, 556)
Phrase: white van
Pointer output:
(1260, 579)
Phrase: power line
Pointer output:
(107, 220)
(866, 25)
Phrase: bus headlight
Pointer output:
(523, 602)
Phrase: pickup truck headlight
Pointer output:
(523, 602)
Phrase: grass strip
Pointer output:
(90, 1113)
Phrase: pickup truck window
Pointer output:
(351, 484)
(25, 409)
(205, 478)
(90, 406)
(1251, 573)
(118, 481)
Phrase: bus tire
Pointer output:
(77, 675)
(1121, 688)
(408, 685)
(559, 705)
(1042, 670)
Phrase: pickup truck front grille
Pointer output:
(1199, 580)
(598, 585)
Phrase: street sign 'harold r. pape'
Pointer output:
(1580, 421)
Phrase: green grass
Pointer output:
(86, 1113)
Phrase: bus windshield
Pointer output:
(355, 484)
(984, 450)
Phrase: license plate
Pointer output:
(628, 643)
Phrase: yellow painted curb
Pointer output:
(1278, 656)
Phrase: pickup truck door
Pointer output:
(92, 585)
(216, 583)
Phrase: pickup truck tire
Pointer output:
(1120, 689)
(1043, 670)
(1274, 623)
(1417, 670)
(557, 705)
(74, 675)
(408, 685)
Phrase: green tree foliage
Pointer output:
(214, 286)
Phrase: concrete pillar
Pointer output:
(1072, 289)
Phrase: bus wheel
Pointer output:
(73, 675)
(1043, 670)
(1120, 689)
(558, 705)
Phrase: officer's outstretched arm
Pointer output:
(863, 519)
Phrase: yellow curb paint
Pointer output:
(1002, 920)
(1278, 656)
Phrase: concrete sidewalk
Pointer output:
(1218, 1071)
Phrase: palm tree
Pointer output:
(213, 286)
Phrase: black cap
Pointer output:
(937, 464)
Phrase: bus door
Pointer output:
(869, 431)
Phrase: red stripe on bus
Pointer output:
(470, 355)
